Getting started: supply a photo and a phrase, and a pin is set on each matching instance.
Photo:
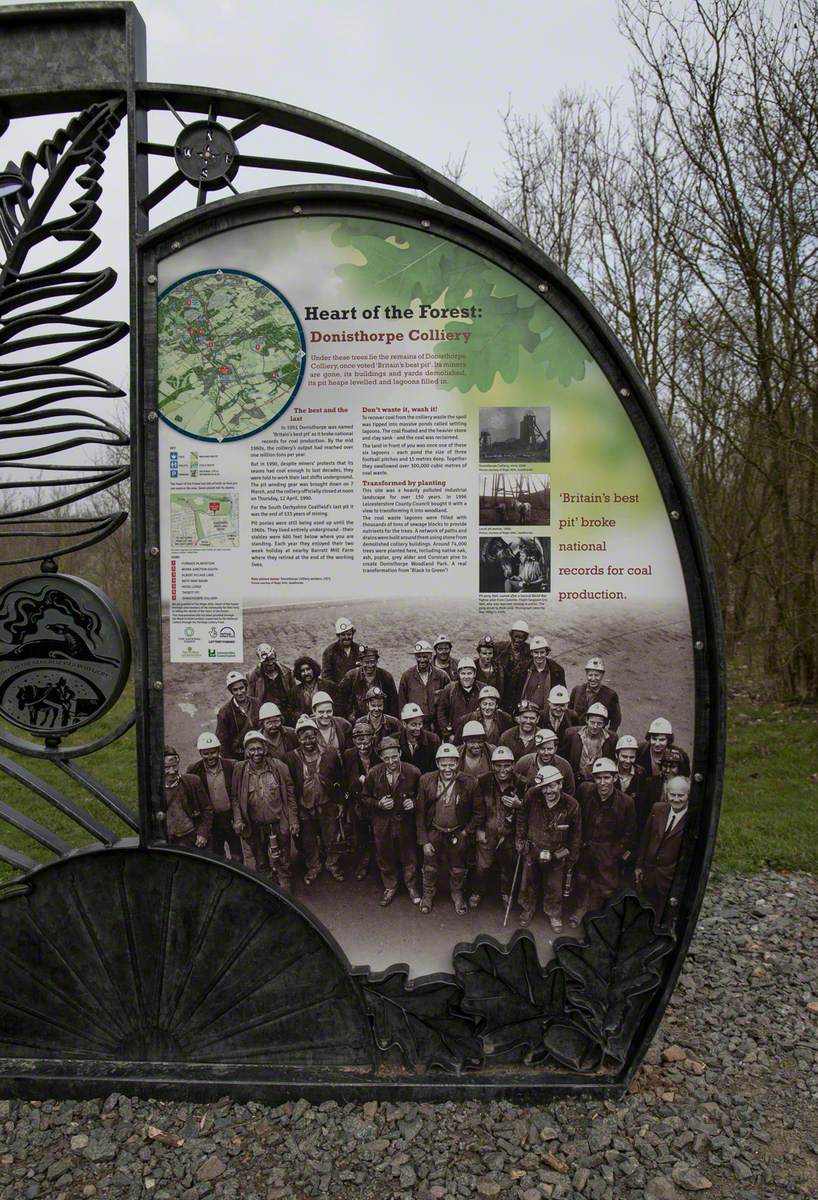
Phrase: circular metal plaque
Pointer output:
(65, 654)
(205, 153)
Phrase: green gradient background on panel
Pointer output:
(521, 353)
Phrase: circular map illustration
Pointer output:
(231, 355)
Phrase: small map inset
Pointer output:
(204, 521)
(231, 355)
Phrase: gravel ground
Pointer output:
(725, 1105)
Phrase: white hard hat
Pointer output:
(447, 750)
(602, 765)
(502, 754)
(264, 650)
(208, 741)
(410, 711)
(597, 710)
(234, 677)
(441, 638)
(548, 774)
(558, 695)
(660, 725)
(304, 722)
(320, 698)
(422, 647)
(253, 735)
(489, 692)
(544, 735)
(539, 643)
(519, 627)
(467, 662)
(473, 729)
(343, 625)
(627, 742)
(268, 709)
(595, 664)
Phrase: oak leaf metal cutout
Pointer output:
(422, 1020)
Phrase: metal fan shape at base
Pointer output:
(157, 955)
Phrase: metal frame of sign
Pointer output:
(146, 1058)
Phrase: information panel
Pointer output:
(413, 546)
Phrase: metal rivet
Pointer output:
(624, 392)
(699, 777)
(176, 245)
(152, 416)
(675, 514)
(673, 901)
(542, 287)
(297, 208)
(158, 685)
(699, 645)
(426, 224)
(154, 550)
(160, 816)
(151, 279)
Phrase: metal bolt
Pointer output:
(160, 816)
(673, 902)
(675, 514)
(152, 416)
(624, 392)
(699, 645)
(426, 224)
(151, 279)
(158, 685)
(699, 777)
(297, 208)
(542, 287)
(154, 551)
(176, 245)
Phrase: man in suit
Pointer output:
(594, 691)
(418, 745)
(236, 717)
(389, 793)
(659, 849)
(422, 683)
(341, 655)
(264, 809)
(445, 820)
(608, 838)
(216, 774)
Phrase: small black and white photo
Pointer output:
(520, 498)
(514, 434)
(515, 564)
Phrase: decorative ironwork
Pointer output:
(60, 681)
(40, 337)
(146, 955)
(579, 1013)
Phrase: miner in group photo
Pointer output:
(434, 780)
